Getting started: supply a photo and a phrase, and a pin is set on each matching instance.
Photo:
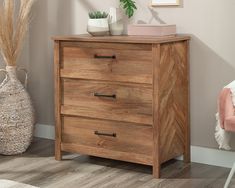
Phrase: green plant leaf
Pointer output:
(129, 7)
(97, 15)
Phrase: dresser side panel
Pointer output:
(173, 100)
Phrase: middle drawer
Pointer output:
(107, 100)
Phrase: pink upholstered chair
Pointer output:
(227, 120)
(226, 110)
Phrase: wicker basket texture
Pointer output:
(16, 115)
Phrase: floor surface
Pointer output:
(38, 167)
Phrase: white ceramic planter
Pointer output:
(98, 27)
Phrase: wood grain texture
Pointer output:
(105, 76)
(106, 153)
(156, 118)
(88, 52)
(37, 167)
(187, 152)
(143, 91)
(74, 90)
(132, 103)
(110, 63)
(173, 100)
(104, 45)
(96, 110)
(57, 99)
(123, 39)
(118, 136)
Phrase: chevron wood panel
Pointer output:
(173, 100)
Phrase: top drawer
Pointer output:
(107, 61)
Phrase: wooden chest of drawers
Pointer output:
(123, 98)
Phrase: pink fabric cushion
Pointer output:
(230, 123)
(226, 110)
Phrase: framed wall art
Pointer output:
(165, 2)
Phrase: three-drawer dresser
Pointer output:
(123, 97)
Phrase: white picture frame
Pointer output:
(165, 2)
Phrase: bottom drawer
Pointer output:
(109, 139)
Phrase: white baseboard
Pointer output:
(44, 131)
(212, 156)
(199, 154)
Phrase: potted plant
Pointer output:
(98, 23)
(116, 23)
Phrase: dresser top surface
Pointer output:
(122, 39)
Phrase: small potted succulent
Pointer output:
(101, 23)
(98, 23)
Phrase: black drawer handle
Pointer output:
(104, 56)
(105, 134)
(103, 95)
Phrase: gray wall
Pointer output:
(212, 57)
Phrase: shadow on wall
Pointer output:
(60, 17)
(54, 17)
(154, 16)
(209, 73)
(86, 5)
(49, 19)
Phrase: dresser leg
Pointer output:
(187, 158)
(58, 153)
(58, 156)
(187, 155)
(156, 171)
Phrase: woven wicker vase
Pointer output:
(16, 115)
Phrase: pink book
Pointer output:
(151, 30)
